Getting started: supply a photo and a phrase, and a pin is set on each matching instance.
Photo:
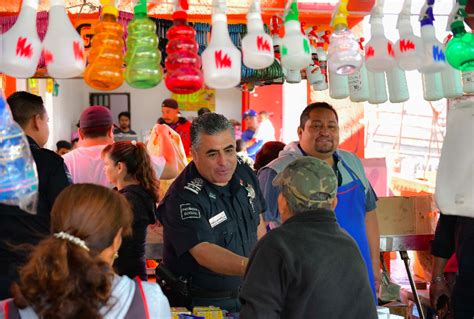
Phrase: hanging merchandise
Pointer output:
(379, 51)
(183, 63)
(377, 87)
(221, 60)
(338, 85)
(313, 71)
(104, 71)
(468, 82)
(143, 58)
(359, 82)
(397, 85)
(434, 58)
(295, 49)
(274, 27)
(432, 86)
(21, 46)
(292, 76)
(454, 192)
(323, 59)
(343, 53)
(409, 51)
(63, 47)
(257, 46)
(19, 182)
(460, 49)
(452, 83)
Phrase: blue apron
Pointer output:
(350, 214)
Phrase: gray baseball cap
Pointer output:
(307, 182)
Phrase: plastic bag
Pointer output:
(389, 291)
(18, 176)
(454, 181)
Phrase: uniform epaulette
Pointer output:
(195, 185)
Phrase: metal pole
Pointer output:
(406, 260)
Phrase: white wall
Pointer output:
(295, 99)
(145, 106)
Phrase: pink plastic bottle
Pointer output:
(183, 64)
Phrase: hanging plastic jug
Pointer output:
(292, 76)
(434, 59)
(379, 51)
(359, 82)
(432, 86)
(460, 49)
(343, 52)
(295, 49)
(19, 182)
(257, 46)
(338, 85)
(183, 64)
(143, 58)
(313, 72)
(468, 82)
(452, 83)
(397, 85)
(274, 27)
(104, 71)
(377, 87)
(63, 47)
(221, 60)
(21, 46)
(409, 51)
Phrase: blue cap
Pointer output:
(249, 113)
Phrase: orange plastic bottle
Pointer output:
(105, 69)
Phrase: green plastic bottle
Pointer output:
(460, 49)
(143, 58)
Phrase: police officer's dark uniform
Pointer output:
(19, 227)
(195, 211)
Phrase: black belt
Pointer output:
(208, 294)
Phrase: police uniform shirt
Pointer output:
(195, 211)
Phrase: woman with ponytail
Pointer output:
(128, 167)
(70, 275)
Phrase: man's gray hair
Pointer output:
(210, 124)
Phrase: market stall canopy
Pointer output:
(312, 12)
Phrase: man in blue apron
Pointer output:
(318, 134)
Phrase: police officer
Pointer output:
(29, 112)
(210, 216)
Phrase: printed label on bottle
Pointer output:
(262, 44)
(23, 48)
(355, 82)
(438, 54)
(222, 60)
(406, 45)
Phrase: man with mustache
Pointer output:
(318, 134)
(210, 217)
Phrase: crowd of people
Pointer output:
(293, 236)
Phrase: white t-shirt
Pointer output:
(265, 132)
(86, 166)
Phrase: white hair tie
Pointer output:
(73, 239)
(134, 143)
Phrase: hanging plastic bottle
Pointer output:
(434, 58)
(377, 87)
(292, 76)
(338, 85)
(409, 51)
(323, 58)
(397, 85)
(295, 49)
(359, 82)
(452, 83)
(104, 71)
(21, 46)
(143, 58)
(379, 51)
(63, 47)
(221, 60)
(183, 63)
(257, 46)
(432, 86)
(313, 72)
(460, 49)
(468, 81)
(19, 182)
(343, 53)
(274, 27)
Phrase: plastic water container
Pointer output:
(143, 57)
(397, 85)
(432, 86)
(452, 83)
(19, 182)
(468, 82)
(359, 85)
(377, 87)
(338, 85)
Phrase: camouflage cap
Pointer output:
(306, 183)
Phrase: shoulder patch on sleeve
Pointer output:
(189, 212)
(195, 185)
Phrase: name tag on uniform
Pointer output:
(218, 219)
